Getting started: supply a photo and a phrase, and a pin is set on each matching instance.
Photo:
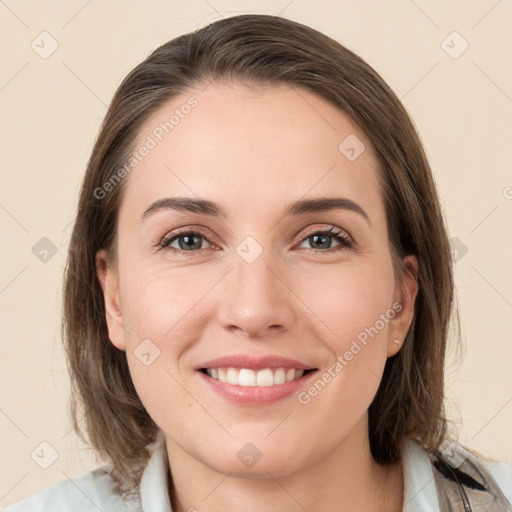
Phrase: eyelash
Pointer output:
(333, 232)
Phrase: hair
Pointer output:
(261, 50)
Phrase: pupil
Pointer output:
(325, 237)
(189, 242)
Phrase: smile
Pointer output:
(262, 378)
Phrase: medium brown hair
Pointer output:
(262, 50)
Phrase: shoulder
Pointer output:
(502, 473)
(93, 491)
(481, 480)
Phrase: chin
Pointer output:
(248, 461)
(259, 471)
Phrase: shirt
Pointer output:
(97, 489)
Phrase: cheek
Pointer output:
(162, 304)
(162, 324)
(349, 301)
(357, 307)
(165, 312)
(354, 305)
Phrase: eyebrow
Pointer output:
(301, 207)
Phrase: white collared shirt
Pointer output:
(96, 490)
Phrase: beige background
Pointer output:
(52, 108)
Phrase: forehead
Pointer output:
(252, 145)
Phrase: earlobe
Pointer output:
(404, 298)
(108, 279)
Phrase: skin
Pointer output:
(253, 151)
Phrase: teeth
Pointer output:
(279, 376)
(232, 376)
(265, 377)
(247, 377)
(290, 375)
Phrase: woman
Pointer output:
(258, 290)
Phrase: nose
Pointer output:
(255, 299)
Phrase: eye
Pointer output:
(187, 242)
(322, 239)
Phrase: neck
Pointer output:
(345, 479)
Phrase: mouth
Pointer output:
(247, 377)
(254, 381)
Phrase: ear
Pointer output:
(403, 304)
(107, 275)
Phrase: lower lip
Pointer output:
(255, 395)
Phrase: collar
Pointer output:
(154, 490)
(420, 493)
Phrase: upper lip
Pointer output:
(254, 363)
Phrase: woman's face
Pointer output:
(255, 279)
